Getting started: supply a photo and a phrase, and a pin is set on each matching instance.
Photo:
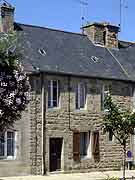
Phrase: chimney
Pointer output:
(103, 34)
(6, 17)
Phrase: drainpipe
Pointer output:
(43, 122)
(69, 89)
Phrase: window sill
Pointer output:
(53, 108)
(7, 158)
(80, 110)
(110, 142)
(82, 158)
(105, 111)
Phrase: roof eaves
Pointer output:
(81, 75)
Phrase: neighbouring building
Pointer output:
(70, 75)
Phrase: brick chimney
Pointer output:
(103, 34)
(6, 17)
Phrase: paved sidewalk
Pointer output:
(74, 176)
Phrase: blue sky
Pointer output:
(66, 14)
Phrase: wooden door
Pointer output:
(55, 153)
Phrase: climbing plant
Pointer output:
(14, 83)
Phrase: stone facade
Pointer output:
(33, 140)
(61, 122)
(21, 164)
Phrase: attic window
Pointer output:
(94, 59)
(42, 52)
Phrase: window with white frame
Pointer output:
(104, 94)
(7, 145)
(85, 144)
(80, 96)
(53, 93)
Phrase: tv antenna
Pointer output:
(84, 6)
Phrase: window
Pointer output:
(105, 92)
(53, 93)
(80, 96)
(7, 145)
(85, 144)
(110, 136)
(81, 145)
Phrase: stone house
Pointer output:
(70, 75)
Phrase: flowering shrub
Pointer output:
(14, 84)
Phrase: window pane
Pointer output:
(83, 144)
(77, 98)
(55, 96)
(55, 84)
(110, 136)
(49, 93)
(10, 143)
(105, 90)
(2, 142)
(55, 93)
(82, 95)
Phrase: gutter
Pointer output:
(43, 141)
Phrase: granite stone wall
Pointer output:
(63, 121)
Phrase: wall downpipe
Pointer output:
(69, 110)
(43, 91)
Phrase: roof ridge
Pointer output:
(41, 27)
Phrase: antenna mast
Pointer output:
(124, 5)
(84, 5)
(120, 14)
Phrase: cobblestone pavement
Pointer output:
(74, 176)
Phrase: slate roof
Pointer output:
(70, 53)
